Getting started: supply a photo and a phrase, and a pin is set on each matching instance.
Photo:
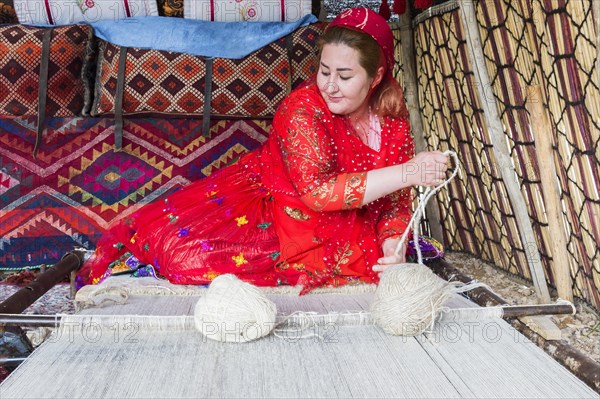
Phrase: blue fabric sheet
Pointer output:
(210, 39)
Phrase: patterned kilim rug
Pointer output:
(78, 183)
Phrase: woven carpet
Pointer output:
(78, 183)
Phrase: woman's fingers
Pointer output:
(387, 261)
(380, 268)
(431, 167)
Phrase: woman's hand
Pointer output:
(389, 257)
(427, 168)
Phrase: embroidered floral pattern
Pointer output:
(210, 276)
(247, 9)
(263, 226)
(239, 259)
(325, 194)
(85, 5)
(341, 257)
(354, 190)
(241, 220)
(307, 154)
(145, 271)
(295, 213)
(183, 232)
(205, 245)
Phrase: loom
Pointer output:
(149, 347)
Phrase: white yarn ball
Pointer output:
(234, 311)
(408, 299)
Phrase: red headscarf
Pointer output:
(369, 22)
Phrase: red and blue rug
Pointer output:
(78, 184)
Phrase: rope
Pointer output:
(415, 221)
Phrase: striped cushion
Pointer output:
(247, 10)
(63, 12)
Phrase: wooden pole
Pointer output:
(536, 310)
(501, 149)
(27, 295)
(412, 102)
(30, 320)
(542, 130)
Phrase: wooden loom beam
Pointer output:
(585, 368)
(501, 149)
(12, 355)
(27, 295)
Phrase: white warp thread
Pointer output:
(471, 314)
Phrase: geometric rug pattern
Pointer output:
(78, 184)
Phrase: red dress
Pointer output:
(287, 213)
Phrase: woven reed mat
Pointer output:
(109, 355)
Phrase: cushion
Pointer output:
(20, 61)
(304, 52)
(64, 12)
(247, 10)
(163, 82)
(7, 12)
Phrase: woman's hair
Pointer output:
(388, 98)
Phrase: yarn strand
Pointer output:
(415, 220)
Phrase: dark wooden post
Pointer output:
(27, 295)
(16, 345)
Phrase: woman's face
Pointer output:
(343, 82)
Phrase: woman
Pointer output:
(321, 203)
